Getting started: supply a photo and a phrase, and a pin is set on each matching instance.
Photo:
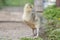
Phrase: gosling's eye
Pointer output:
(30, 7)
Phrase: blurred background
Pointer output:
(23, 2)
(15, 2)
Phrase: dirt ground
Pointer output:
(11, 27)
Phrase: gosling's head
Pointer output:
(28, 7)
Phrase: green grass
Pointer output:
(25, 38)
(1, 3)
(54, 35)
(18, 2)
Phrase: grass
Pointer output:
(25, 38)
(18, 2)
(54, 35)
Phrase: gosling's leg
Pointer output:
(37, 33)
(34, 31)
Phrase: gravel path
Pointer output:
(10, 30)
(14, 31)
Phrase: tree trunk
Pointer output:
(58, 3)
(38, 5)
